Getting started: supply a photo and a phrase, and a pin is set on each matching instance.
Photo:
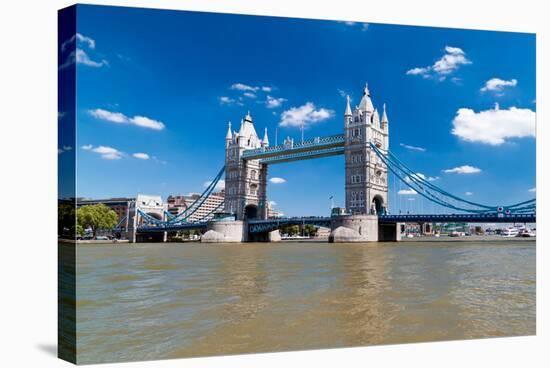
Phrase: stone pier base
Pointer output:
(354, 229)
(224, 232)
(274, 236)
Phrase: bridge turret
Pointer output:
(265, 141)
(366, 177)
(245, 179)
(229, 135)
(384, 120)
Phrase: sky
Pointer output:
(156, 89)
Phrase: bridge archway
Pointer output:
(251, 212)
(378, 204)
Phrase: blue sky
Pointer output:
(155, 90)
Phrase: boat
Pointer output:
(510, 232)
(527, 233)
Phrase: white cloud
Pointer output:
(494, 126)
(220, 185)
(267, 89)
(80, 38)
(141, 155)
(464, 169)
(87, 147)
(497, 84)
(225, 100)
(64, 149)
(272, 203)
(146, 122)
(244, 87)
(412, 148)
(81, 57)
(78, 55)
(418, 71)
(119, 118)
(249, 95)
(276, 180)
(342, 93)
(304, 115)
(468, 193)
(114, 117)
(533, 190)
(451, 60)
(108, 153)
(407, 192)
(361, 25)
(273, 102)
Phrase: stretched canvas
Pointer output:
(240, 184)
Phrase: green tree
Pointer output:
(310, 230)
(97, 216)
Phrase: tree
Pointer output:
(97, 216)
(310, 230)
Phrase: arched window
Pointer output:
(253, 175)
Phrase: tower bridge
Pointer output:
(368, 165)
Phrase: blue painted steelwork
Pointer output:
(442, 197)
(461, 217)
(182, 226)
(262, 226)
(304, 155)
(292, 149)
(183, 216)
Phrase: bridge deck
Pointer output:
(261, 226)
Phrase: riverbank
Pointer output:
(470, 238)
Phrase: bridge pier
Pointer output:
(225, 231)
(353, 229)
(362, 228)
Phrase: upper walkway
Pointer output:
(290, 151)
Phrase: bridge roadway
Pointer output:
(262, 226)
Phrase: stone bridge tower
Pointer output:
(366, 174)
(245, 180)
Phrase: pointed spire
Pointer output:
(348, 107)
(376, 116)
(241, 130)
(384, 115)
(366, 103)
(248, 117)
(228, 135)
(265, 141)
(366, 90)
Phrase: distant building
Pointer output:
(322, 232)
(179, 203)
(272, 212)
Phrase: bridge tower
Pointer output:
(245, 180)
(366, 174)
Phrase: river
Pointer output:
(156, 301)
